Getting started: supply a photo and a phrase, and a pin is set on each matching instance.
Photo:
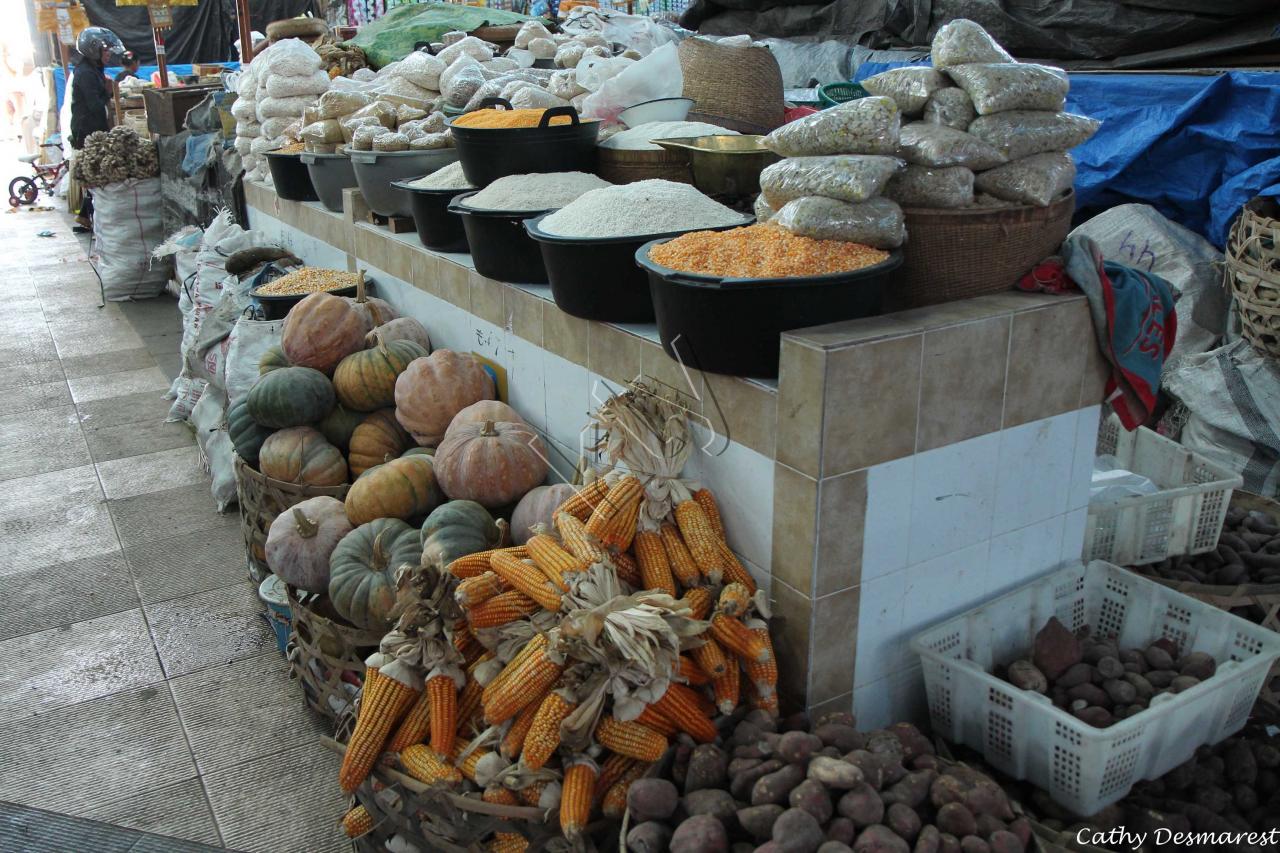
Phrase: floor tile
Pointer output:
(40, 441)
(151, 472)
(209, 628)
(89, 388)
(178, 810)
(53, 518)
(133, 439)
(67, 665)
(29, 347)
(170, 364)
(31, 373)
(162, 515)
(89, 335)
(96, 365)
(187, 564)
(30, 830)
(27, 398)
(94, 752)
(147, 406)
(302, 787)
(46, 597)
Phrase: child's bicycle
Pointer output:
(24, 190)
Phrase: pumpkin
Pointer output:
(485, 410)
(435, 388)
(375, 311)
(322, 330)
(301, 455)
(272, 357)
(455, 530)
(402, 488)
(339, 424)
(289, 397)
(366, 380)
(400, 329)
(245, 433)
(302, 538)
(417, 450)
(492, 463)
(363, 567)
(379, 438)
(537, 507)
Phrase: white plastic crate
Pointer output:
(1184, 517)
(1025, 735)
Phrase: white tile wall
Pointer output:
(1019, 555)
(1073, 533)
(1086, 449)
(897, 697)
(1035, 466)
(742, 481)
(952, 497)
(882, 648)
(566, 405)
(886, 533)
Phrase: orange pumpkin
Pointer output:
(375, 311)
(301, 455)
(379, 438)
(322, 330)
(493, 463)
(401, 329)
(366, 380)
(402, 488)
(433, 389)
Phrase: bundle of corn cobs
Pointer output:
(340, 60)
(116, 155)
(578, 658)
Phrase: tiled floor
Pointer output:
(139, 685)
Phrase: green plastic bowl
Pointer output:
(832, 94)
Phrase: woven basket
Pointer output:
(960, 254)
(1253, 274)
(620, 166)
(261, 500)
(735, 87)
(326, 653)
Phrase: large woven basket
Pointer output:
(734, 87)
(1253, 274)
(621, 166)
(326, 653)
(261, 500)
(960, 254)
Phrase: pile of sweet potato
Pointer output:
(1248, 552)
(821, 788)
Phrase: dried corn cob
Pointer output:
(500, 796)
(469, 703)
(692, 673)
(554, 561)
(705, 706)
(707, 501)
(735, 600)
(680, 705)
(763, 675)
(711, 658)
(728, 689)
(386, 698)
(479, 588)
(608, 521)
(700, 601)
(735, 637)
(679, 558)
(415, 726)
(544, 738)
(614, 804)
(630, 738)
(577, 541)
(425, 766)
(612, 768)
(513, 741)
(585, 499)
(655, 569)
(734, 572)
(757, 701)
(655, 720)
(532, 679)
(575, 797)
(443, 694)
(623, 531)
(465, 642)
(627, 568)
(467, 765)
(527, 578)
(531, 648)
(502, 609)
(357, 822)
(532, 794)
(478, 563)
(508, 842)
(701, 539)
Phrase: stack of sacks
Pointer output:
(290, 81)
(1000, 128)
(837, 164)
(382, 125)
(245, 110)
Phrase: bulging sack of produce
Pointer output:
(927, 144)
(390, 140)
(431, 141)
(1021, 133)
(961, 42)
(569, 55)
(927, 186)
(865, 126)
(848, 177)
(244, 110)
(531, 97)
(422, 69)
(529, 31)
(290, 58)
(951, 107)
(406, 113)
(362, 138)
(283, 107)
(462, 84)
(762, 209)
(877, 223)
(280, 86)
(563, 84)
(248, 129)
(909, 87)
(469, 46)
(542, 48)
(1012, 86)
(276, 126)
(1039, 179)
(351, 125)
(127, 227)
(336, 103)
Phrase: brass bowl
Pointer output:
(724, 165)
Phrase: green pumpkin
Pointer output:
(339, 424)
(272, 359)
(290, 396)
(416, 451)
(366, 380)
(455, 530)
(246, 434)
(363, 567)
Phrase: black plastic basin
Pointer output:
(438, 228)
(489, 153)
(290, 176)
(500, 247)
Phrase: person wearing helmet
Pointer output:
(90, 98)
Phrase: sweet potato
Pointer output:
(948, 843)
(928, 841)
(880, 839)
(1160, 678)
(839, 718)
(700, 834)
(1110, 667)
(1135, 658)
(652, 799)
(741, 784)
(743, 847)
(746, 733)
(768, 847)
(913, 741)
(946, 789)
(742, 765)
(776, 786)
(872, 767)
(1142, 688)
(841, 829)
(1198, 665)
(1183, 682)
(758, 820)
(911, 790)
(1095, 716)
(797, 747)
(1245, 797)
(834, 772)
(797, 722)
(708, 768)
(885, 744)
(716, 802)
(862, 805)
(1090, 693)
(835, 847)
(761, 719)
(987, 824)
(812, 796)
(842, 737)
(797, 831)
(649, 837)
(1055, 649)
(926, 762)
(828, 752)
(1025, 675)
(1121, 692)
(1080, 673)
(955, 819)
(974, 844)
(903, 820)
(1022, 829)
(1158, 657)
(1241, 764)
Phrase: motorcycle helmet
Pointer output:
(92, 39)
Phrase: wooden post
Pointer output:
(62, 53)
(246, 31)
(161, 19)
(158, 37)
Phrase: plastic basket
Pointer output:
(833, 94)
(1184, 517)
(1023, 734)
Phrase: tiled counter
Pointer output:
(901, 469)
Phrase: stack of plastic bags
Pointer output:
(273, 92)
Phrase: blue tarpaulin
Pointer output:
(144, 71)
(1195, 147)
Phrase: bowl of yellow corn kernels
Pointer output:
(279, 295)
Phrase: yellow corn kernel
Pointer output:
(508, 842)
(734, 571)
(612, 768)
(608, 521)
(678, 557)
(425, 766)
(443, 694)
(478, 563)
(577, 540)
(632, 739)
(500, 796)
(581, 503)
(701, 539)
(384, 701)
(692, 673)
(728, 689)
(479, 588)
(529, 683)
(502, 609)
(554, 561)
(544, 737)
(735, 600)
(707, 501)
(614, 804)
(627, 569)
(415, 726)
(680, 705)
(735, 637)
(528, 579)
(655, 568)
(575, 798)
(357, 822)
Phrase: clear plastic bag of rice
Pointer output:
(362, 138)
(1012, 86)
(877, 223)
(390, 140)
(927, 144)
(909, 87)
(951, 107)
(542, 49)
(434, 123)
(411, 129)
(452, 37)
(336, 103)
(763, 211)
(531, 97)
(422, 69)
(489, 89)
(351, 125)
(569, 55)
(326, 131)
(469, 46)
(406, 113)
(926, 186)
(383, 111)
(961, 42)
(275, 126)
(431, 141)
(1021, 133)
(563, 84)
(462, 85)
(865, 126)
(529, 31)
(848, 177)
(1038, 179)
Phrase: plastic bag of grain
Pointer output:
(910, 87)
(762, 209)
(1012, 86)
(963, 41)
(877, 223)
(1021, 133)
(1039, 179)
(462, 84)
(926, 186)
(390, 140)
(422, 69)
(531, 97)
(927, 144)
(280, 86)
(865, 126)
(951, 107)
(284, 107)
(336, 103)
(469, 46)
(848, 177)
(431, 141)
(529, 31)
(362, 138)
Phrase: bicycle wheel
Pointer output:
(24, 190)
